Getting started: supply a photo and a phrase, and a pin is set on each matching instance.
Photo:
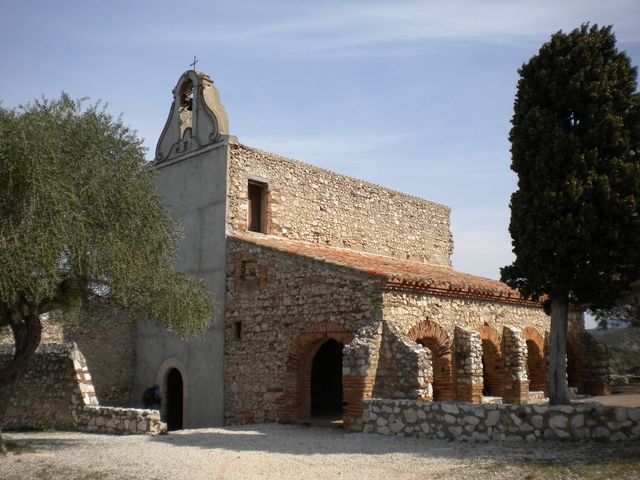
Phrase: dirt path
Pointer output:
(291, 452)
(624, 396)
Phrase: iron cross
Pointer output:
(195, 60)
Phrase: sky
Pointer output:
(416, 96)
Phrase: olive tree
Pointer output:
(81, 225)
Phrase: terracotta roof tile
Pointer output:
(399, 274)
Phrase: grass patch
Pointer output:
(597, 469)
(17, 448)
(587, 471)
(55, 473)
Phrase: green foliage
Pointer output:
(626, 311)
(623, 345)
(575, 145)
(80, 222)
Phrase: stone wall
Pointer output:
(94, 418)
(57, 392)
(319, 206)
(408, 309)
(405, 367)
(52, 332)
(280, 309)
(107, 340)
(468, 422)
(49, 393)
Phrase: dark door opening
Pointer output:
(535, 367)
(491, 371)
(174, 400)
(326, 381)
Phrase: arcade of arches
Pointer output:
(317, 338)
(316, 388)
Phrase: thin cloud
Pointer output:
(384, 28)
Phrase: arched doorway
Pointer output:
(296, 405)
(431, 335)
(174, 399)
(441, 364)
(326, 381)
(536, 365)
(491, 370)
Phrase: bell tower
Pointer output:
(190, 173)
(197, 117)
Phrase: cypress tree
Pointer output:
(575, 146)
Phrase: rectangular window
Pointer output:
(237, 330)
(249, 270)
(257, 196)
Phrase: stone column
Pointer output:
(514, 353)
(359, 365)
(596, 375)
(467, 351)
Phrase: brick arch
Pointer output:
(536, 363)
(296, 404)
(430, 329)
(431, 335)
(492, 362)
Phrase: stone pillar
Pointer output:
(405, 369)
(359, 365)
(514, 353)
(467, 351)
(596, 375)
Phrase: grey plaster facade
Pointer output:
(191, 176)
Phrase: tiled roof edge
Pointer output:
(407, 285)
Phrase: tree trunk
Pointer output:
(27, 330)
(558, 388)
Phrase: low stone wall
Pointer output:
(57, 392)
(617, 380)
(93, 418)
(48, 394)
(470, 422)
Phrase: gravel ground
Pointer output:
(294, 452)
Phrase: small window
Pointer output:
(249, 270)
(237, 330)
(257, 195)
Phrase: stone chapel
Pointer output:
(330, 290)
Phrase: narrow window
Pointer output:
(237, 330)
(256, 193)
(249, 270)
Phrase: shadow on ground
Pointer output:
(299, 440)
